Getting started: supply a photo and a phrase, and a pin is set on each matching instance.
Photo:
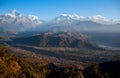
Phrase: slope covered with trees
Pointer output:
(14, 67)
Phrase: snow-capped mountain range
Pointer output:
(97, 18)
(16, 22)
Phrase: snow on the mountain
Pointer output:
(97, 18)
(16, 18)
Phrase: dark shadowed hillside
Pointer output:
(112, 68)
(103, 70)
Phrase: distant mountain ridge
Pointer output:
(64, 23)
(14, 22)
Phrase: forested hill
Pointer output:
(14, 67)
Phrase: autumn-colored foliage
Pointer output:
(14, 67)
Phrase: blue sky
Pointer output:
(48, 9)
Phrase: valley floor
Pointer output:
(66, 56)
